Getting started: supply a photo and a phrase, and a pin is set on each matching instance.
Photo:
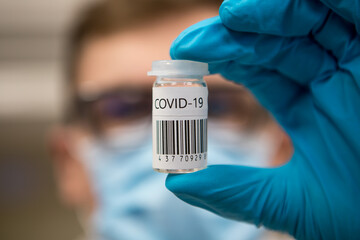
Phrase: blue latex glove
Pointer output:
(301, 59)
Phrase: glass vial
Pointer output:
(179, 116)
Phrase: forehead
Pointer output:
(123, 58)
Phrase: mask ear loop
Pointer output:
(85, 217)
(73, 146)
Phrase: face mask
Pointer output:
(120, 179)
(127, 138)
(240, 148)
(133, 203)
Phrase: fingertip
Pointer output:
(173, 50)
(180, 47)
(194, 42)
(169, 182)
(175, 182)
(180, 183)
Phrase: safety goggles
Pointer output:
(123, 106)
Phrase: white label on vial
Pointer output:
(180, 127)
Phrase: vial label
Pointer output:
(180, 127)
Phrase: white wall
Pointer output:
(31, 41)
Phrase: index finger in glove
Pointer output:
(278, 17)
(210, 41)
(294, 18)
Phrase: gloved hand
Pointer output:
(301, 59)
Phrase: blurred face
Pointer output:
(112, 82)
(113, 85)
(113, 71)
(114, 68)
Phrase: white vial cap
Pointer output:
(178, 68)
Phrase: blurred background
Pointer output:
(31, 38)
(32, 99)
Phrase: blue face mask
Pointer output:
(227, 145)
(133, 203)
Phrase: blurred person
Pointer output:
(103, 150)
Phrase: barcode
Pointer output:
(176, 137)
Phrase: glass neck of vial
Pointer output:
(179, 81)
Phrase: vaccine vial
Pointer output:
(179, 116)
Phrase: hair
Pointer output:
(106, 17)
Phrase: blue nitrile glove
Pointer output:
(301, 59)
